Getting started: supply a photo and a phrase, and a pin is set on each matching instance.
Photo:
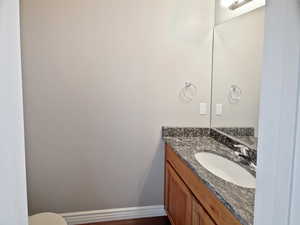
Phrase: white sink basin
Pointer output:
(226, 169)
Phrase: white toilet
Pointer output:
(47, 219)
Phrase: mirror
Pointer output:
(237, 65)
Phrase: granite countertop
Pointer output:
(238, 200)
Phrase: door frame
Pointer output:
(13, 199)
(279, 136)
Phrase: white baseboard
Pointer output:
(114, 214)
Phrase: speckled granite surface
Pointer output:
(244, 135)
(237, 131)
(239, 200)
(185, 131)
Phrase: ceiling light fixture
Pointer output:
(234, 4)
(227, 3)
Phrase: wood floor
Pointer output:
(145, 221)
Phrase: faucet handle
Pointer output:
(243, 149)
(253, 166)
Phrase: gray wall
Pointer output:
(100, 79)
(13, 207)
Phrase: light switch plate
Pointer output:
(203, 108)
(219, 109)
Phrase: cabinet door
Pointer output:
(178, 199)
(199, 215)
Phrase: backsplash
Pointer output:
(243, 135)
(185, 131)
(237, 131)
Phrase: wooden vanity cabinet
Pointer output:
(199, 215)
(187, 200)
(182, 208)
(178, 199)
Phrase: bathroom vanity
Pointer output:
(194, 195)
(210, 172)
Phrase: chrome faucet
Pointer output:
(253, 166)
(243, 151)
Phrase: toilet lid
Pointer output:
(47, 219)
